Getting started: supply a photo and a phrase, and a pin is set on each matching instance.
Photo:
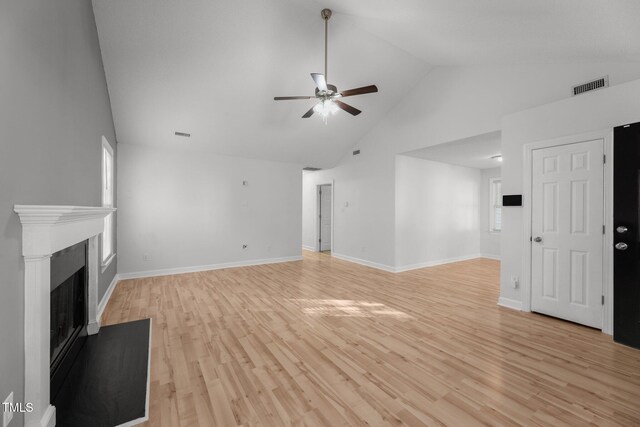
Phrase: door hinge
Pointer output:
(531, 238)
(602, 299)
(603, 229)
(604, 158)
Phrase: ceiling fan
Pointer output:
(328, 94)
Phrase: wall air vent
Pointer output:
(592, 85)
(311, 169)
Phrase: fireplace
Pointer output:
(46, 230)
(68, 311)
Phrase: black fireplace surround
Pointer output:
(68, 310)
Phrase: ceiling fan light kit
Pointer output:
(327, 94)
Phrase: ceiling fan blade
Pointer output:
(359, 91)
(321, 83)
(284, 98)
(308, 113)
(348, 108)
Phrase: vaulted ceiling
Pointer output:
(211, 68)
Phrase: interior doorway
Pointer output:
(325, 218)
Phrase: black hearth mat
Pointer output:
(107, 385)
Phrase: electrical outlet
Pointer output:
(515, 282)
(7, 415)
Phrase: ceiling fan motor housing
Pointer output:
(331, 90)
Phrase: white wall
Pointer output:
(187, 209)
(54, 110)
(598, 110)
(450, 103)
(489, 241)
(437, 207)
(363, 218)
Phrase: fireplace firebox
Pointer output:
(68, 311)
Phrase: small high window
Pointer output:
(107, 202)
(495, 205)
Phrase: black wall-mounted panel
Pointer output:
(512, 200)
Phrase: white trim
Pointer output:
(435, 263)
(364, 262)
(105, 264)
(146, 403)
(46, 230)
(316, 244)
(49, 417)
(510, 303)
(490, 256)
(607, 136)
(106, 297)
(198, 268)
(308, 248)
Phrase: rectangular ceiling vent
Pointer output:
(355, 153)
(311, 169)
(592, 85)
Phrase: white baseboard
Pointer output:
(308, 248)
(195, 269)
(107, 296)
(437, 262)
(364, 262)
(510, 303)
(490, 256)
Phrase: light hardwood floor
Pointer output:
(324, 342)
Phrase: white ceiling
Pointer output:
(474, 152)
(463, 32)
(212, 68)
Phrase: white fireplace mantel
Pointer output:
(46, 230)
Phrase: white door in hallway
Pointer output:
(567, 223)
(325, 217)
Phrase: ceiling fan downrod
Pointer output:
(326, 15)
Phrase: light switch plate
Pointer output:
(7, 415)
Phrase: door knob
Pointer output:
(622, 229)
(621, 246)
(537, 239)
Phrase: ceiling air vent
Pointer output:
(592, 85)
(311, 169)
(355, 153)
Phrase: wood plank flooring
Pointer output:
(324, 342)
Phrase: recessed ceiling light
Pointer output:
(186, 135)
(497, 157)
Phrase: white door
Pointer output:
(567, 230)
(325, 217)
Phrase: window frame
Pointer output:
(493, 205)
(109, 219)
